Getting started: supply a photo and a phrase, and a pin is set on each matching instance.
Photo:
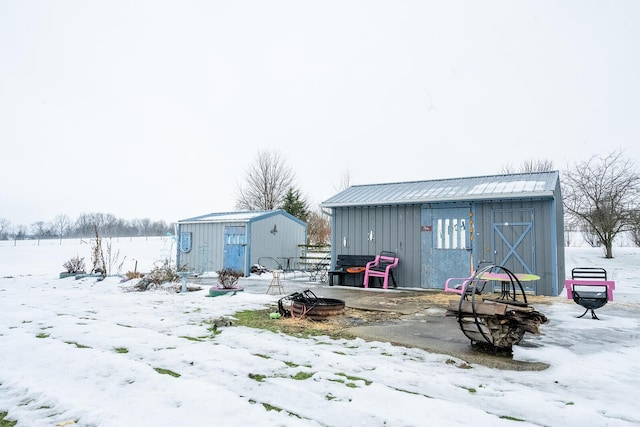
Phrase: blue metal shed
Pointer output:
(238, 239)
(444, 228)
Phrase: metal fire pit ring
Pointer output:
(307, 304)
(322, 309)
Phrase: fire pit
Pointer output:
(307, 304)
(500, 323)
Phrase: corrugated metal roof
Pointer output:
(508, 186)
(238, 216)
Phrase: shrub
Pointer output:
(160, 274)
(228, 277)
(74, 265)
(133, 275)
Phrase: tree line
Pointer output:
(601, 199)
(85, 225)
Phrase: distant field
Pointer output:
(27, 257)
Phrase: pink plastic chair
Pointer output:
(381, 267)
(457, 284)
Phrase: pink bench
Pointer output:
(589, 288)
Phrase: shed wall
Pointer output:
(367, 230)
(370, 230)
(283, 243)
(543, 250)
(208, 244)
(207, 251)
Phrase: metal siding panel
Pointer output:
(482, 227)
(343, 230)
(185, 257)
(338, 231)
(372, 226)
(409, 247)
(414, 247)
(558, 259)
(426, 247)
(347, 231)
(545, 244)
(215, 239)
(204, 236)
(550, 249)
(395, 228)
(543, 241)
(352, 232)
(260, 232)
(281, 244)
(361, 244)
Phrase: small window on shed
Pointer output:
(450, 233)
(185, 242)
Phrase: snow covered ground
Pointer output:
(88, 353)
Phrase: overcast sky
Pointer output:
(156, 109)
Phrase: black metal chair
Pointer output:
(590, 288)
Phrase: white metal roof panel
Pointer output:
(239, 216)
(508, 186)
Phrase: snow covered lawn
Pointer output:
(94, 354)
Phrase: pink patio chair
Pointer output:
(381, 268)
(458, 284)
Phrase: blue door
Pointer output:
(235, 242)
(446, 245)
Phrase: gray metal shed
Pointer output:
(238, 239)
(444, 228)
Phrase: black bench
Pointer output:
(344, 262)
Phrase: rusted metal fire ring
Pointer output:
(320, 309)
(307, 304)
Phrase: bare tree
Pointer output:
(569, 230)
(635, 230)
(318, 229)
(60, 226)
(21, 233)
(532, 165)
(143, 225)
(602, 195)
(109, 223)
(266, 184)
(39, 230)
(99, 220)
(537, 165)
(344, 183)
(4, 228)
(84, 225)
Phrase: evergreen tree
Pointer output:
(295, 205)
